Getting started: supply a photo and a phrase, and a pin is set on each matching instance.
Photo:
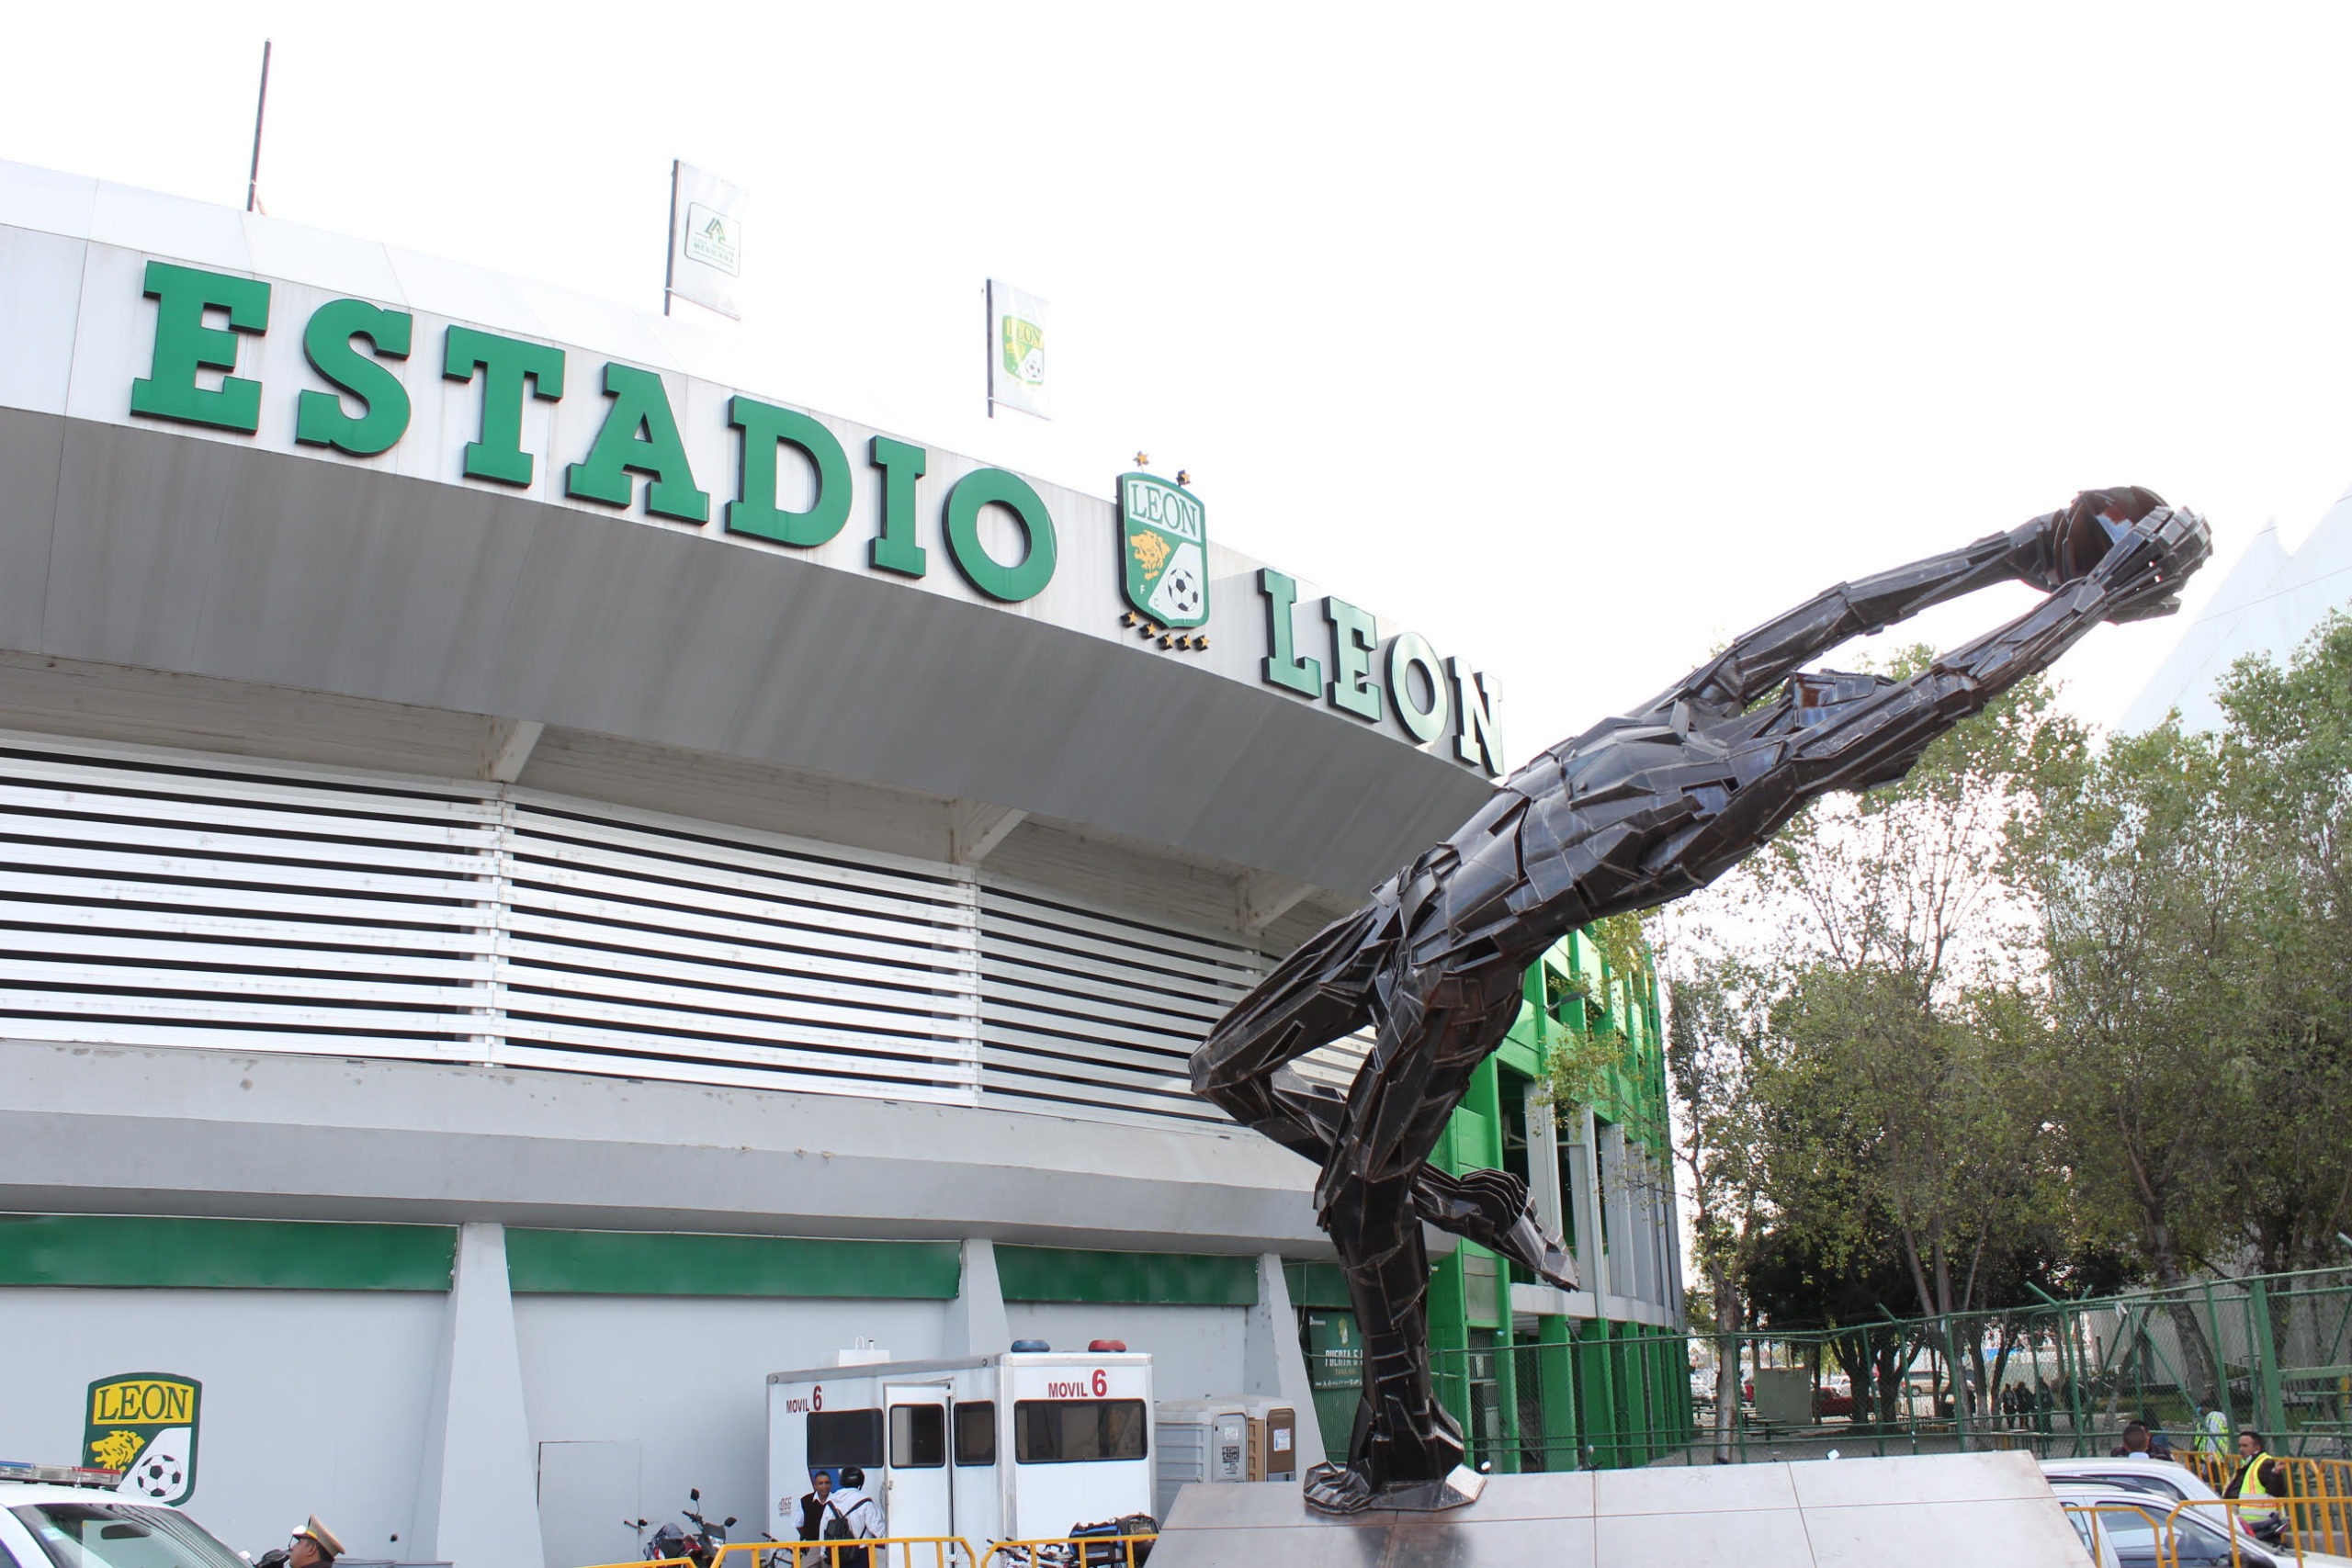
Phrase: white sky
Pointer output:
(1575, 337)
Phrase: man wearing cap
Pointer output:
(314, 1546)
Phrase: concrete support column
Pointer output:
(1543, 1159)
(1592, 1264)
(1273, 1362)
(1624, 1245)
(977, 1324)
(477, 1488)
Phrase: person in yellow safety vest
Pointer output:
(2259, 1476)
(2212, 1432)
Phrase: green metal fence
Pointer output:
(2057, 1378)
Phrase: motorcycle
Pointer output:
(699, 1544)
(1099, 1545)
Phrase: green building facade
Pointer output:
(1540, 1378)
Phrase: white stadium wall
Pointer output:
(313, 1400)
(489, 972)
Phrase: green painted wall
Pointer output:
(653, 1263)
(1172, 1278)
(130, 1251)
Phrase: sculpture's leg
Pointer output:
(1402, 1433)
(1321, 992)
(1491, 1208)
(1439, 1027)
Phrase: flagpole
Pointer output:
(670, 261)
(253, 179)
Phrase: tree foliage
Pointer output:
(2044, 1012)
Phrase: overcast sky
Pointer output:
(1577, 338)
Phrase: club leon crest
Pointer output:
(145, 1424)
(1024, 351)
(1164, 542)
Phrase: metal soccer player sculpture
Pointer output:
(1638, 810)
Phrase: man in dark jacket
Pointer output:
(809, 1517)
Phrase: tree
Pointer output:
(1712, 1042)
(2286, 784)
(1890, 932)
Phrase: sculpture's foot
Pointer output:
(1336, 1489)
(1340, 1489)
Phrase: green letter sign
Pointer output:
(1477, 743)
(1282, 665)
(766, 427)
(319, 417)
(1410, 652)
(505, 363)
(640, 434)
(893, 547)
(1027, 577)
(1353, 637)
(184, 346)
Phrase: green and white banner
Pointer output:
(706, 239)
(1017, 350)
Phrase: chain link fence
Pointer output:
(2198, 1364)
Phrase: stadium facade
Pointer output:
(544, 882)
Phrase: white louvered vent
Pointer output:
(150, 902)
(684, 951)
(153, 898)
(165, 898)
(1088, 1013)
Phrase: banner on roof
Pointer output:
(1016, 351)
(706, 241)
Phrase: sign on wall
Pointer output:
(145, 1424)
(1163, 537)
(706, 241)
(512, 411)
(1016, 351)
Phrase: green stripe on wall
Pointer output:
(254, 1255)
(652, 1263)
(1060, 1274)
(1317, 1284)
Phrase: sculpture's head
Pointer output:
(2094, 522)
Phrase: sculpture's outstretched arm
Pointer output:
(1877, 738)
(2054, 549)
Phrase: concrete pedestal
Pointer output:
(1940, 1511)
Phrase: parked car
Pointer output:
(2160, 1477)
(2134, 1522)
(51, 1516)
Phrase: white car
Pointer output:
(2130, 1522)
(2161, 1476)
(57, 1517)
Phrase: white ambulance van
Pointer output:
(1019, 1445)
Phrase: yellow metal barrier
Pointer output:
(882, 1551)
(1073, 1550)
(2214, 1469)
(2318, 1504)
(2318, 1501)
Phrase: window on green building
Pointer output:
(1511, 1091)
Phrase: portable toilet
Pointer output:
(1200, 1441)
(1215, 1441)
(1021, 1445)
(1273, 1438)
